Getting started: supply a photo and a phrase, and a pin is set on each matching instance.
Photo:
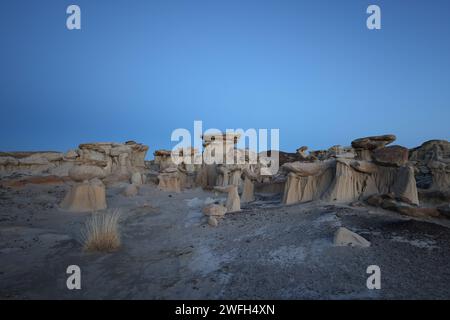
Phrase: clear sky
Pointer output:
(137, 70)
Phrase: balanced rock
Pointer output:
(345, 237)
(374, 142)
(391, 156)
(85, 173)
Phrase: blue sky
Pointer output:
(140, 69)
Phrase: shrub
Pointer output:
(101, 232)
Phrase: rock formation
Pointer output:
(341, 178)
(233, 203)
(169, 180)
(248, 189)
(86, 196)
(345, 237)
(117, 160)
(432, 162)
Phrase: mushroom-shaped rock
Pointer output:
(345, 237)
(233, 203)
(373, 142)
(85, 197)
(86, 172)
(169, 180)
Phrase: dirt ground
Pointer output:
(267, 251)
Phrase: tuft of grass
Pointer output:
(101, 232)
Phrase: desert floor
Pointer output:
(267, 251)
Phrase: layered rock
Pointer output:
(396, 156)
(341, 178)
(373, 142)
(118, 160)
(432, 162)
(169, 180)
(365, 146)
(33, 163)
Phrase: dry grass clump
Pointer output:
(101, 232)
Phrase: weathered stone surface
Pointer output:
(38, 180)
(71, 155)
(8, 161)
(306, 169)
(346, 180)
(405, 185)
(86, 172)
(391, 156)
(114, 158)
(248, 192)
(345, 237)
(303, 189)
(402, 206)
(169, 181)
(85, 197)
(364, 166)
(373, 142)
(432, 162)
(341, 152)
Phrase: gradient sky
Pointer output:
(139, 69)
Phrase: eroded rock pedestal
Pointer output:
(343, 176)
(88, 193)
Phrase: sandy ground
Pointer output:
(264, 252)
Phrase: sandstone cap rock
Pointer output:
(86, 172)
(373, 142)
